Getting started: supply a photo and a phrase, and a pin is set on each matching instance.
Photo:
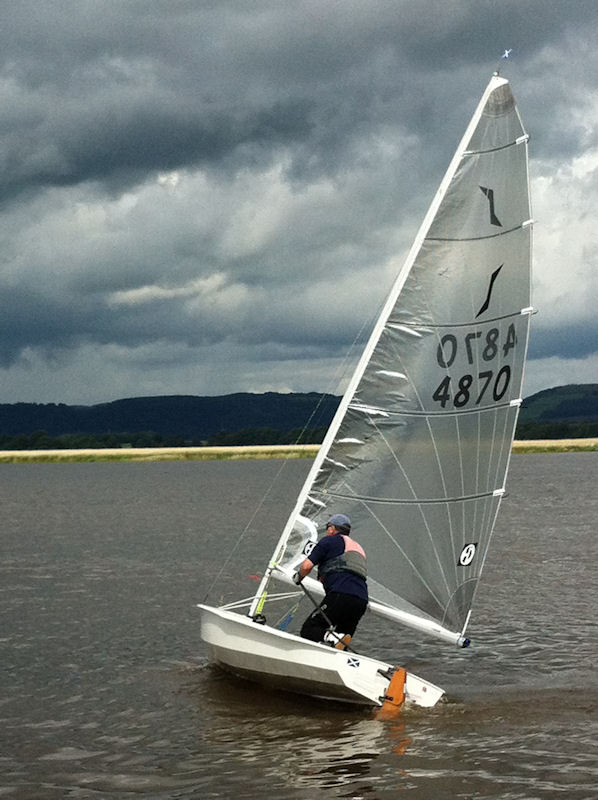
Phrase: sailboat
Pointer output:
(418, 451)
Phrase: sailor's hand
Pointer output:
(297, 577)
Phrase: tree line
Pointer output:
(40, 440)
(557, 430)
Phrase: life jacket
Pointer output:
(352, 560)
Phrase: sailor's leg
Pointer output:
(315, 626)
(345, 611)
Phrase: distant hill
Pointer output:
(243, 418)
(189, 417)
(564, 412)
(572, 403)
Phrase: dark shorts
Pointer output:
(343, 610)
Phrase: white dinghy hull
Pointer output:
(287, 662)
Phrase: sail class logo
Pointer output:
(309, 546)
(494, 220)
(467, 554)
(486, 303)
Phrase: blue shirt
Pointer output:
(341, 581)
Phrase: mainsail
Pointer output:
(418, 452)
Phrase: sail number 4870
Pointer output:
(463, 395)
(488, 348)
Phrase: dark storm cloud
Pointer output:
(275, 152)
(117, 140)
(574, 340)
(107, 91)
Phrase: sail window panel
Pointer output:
(463, 282)
(409, 458)
(486, 198)
(447, 369)
(295, 548)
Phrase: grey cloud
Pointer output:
(569, 340)
(107, 91)
(356, 113)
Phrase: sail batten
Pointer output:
(474, 238)
(388, 413)
(430, 326)
(417, 501)
(520, 140)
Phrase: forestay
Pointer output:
(418, 452)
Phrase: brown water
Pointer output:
(106, 692)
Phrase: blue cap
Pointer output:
(340, 521)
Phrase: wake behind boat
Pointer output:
(418, 452)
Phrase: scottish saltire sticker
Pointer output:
(353, 662)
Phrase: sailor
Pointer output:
(342, 569)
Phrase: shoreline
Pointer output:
(555, 445)
(160, 453)
(243, 452)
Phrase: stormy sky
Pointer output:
(211, 197)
